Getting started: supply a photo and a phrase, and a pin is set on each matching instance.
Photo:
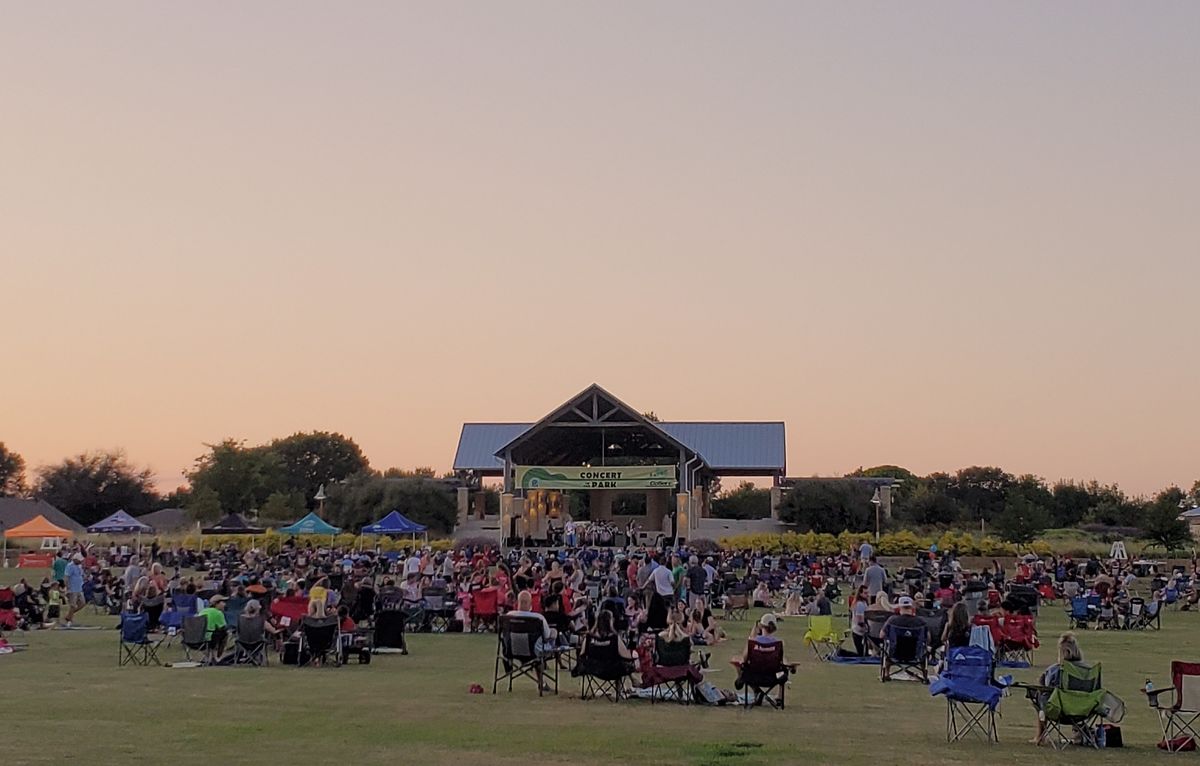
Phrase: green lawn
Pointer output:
(65, 698)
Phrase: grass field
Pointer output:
(65, 699)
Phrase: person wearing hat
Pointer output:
(906, 618)
(74, 578)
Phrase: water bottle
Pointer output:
(1148, 687)
(1101, 736)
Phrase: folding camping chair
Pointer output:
(762, 672)
(136, 646)
(972, 696)
(602, 670)
(9, 618)
(320, 638)
(822, 637)
(1178, 720)
(1075, 705)
(667, 667)
(195, 639)
(736, 605)
(485, 609)
(935, 623)
(520, 653)
(1152, 615)
(1078, 614)
(1018, 639)
(905, 650)
(250, 647)
(440, 611)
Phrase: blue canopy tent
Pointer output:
(120, 523)
(312, 524)
(395, 523)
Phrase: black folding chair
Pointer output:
(520, 652)
(763, 675)
(250, 647)
(195, 639)
(905, 651)
(319, 640)
(602, 670)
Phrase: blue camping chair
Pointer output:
(905, 650)
(972, 695)
(1078, 613)
(136, 646)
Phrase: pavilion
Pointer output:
(614, 460)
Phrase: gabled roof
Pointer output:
(584, 407)
(748, 448)
(18, 510)
(167, 520)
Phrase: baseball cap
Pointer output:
(77, 557)
(766, 620)
(905, 603)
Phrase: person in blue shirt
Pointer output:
(74, 575)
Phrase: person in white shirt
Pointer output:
(662, 596)
(412, 565)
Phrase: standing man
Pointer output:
(60, 566)
(697, 579)
(865, 552)
(74, 576)
(662, 597)
(874, 578)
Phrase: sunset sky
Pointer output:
(935, 235)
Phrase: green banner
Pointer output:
(596, 477)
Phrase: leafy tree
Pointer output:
(906, 479)
(745, 502)
(981, 490)
(926, 505)
(242, 477)
(94, 485)
(1161, 524)
(1072, 503)
(12, 473)
(365, 498)
(1022, 520)
(204, 505)
(829, 505)
(310, 460)
(282, 507)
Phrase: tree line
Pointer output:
(1018, 508)
(277, 481)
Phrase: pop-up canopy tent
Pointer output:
(312, 524)
(120, 523)
(395, 523)
(36, 527)
(233, 524)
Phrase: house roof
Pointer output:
(17, 510)
(167, 520)
(726, 447)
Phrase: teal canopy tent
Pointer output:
(312, 524)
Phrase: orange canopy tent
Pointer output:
(38, 526)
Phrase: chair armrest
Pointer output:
(1153, 695)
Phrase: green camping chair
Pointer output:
(1072, 710)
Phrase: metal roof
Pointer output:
(724, 446)
(478, 443)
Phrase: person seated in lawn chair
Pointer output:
(761, 668)
(906, 642)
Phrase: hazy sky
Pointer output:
(926, 234)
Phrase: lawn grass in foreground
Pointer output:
(66, 699)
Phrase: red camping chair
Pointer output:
(485, 609)
(993, 625)
(8, 609)
(1178, 721)
(1018, 639)
(290, 608)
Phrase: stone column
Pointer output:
(526, 525)
(683, 517)
(464, 505)
(776, 500)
